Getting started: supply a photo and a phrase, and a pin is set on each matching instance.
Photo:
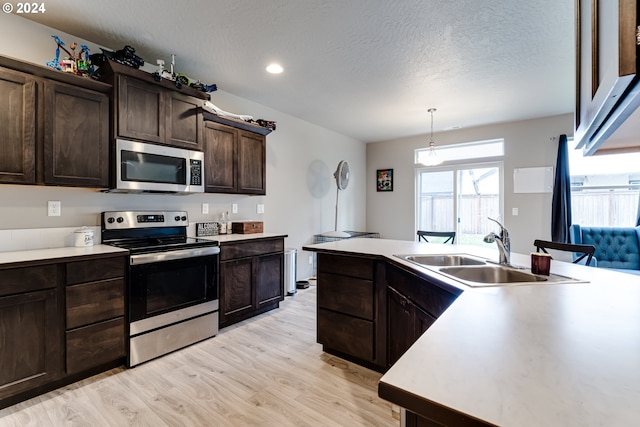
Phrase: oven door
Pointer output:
(169, 281)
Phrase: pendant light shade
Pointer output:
(432, 158)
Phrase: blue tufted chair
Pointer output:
(616, 247)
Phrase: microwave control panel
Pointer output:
(196, 172)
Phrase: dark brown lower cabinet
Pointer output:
(406, 323)
(251, 278)
(414, 304)
(94, 345)
(95, 327)
(59, 322)
(351, 308)
(30, 353)
(346, 334)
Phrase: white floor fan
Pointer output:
(342, 180)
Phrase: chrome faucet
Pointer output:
(503, 241)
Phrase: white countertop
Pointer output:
(66, 252)
(237, 237)
(536, 355)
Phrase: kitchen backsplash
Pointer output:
(41, 238)
(47, 238)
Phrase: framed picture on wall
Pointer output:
(384, 180)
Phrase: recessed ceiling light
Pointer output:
(275, 68)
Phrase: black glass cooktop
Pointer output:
(162, 244)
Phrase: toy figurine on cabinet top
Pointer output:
(74, 63)
(180, 79)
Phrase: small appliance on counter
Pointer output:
(83, 237)
(173, 281)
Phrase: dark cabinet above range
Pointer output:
(147, 110)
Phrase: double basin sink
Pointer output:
(478, 272)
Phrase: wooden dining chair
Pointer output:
(581, 250)
(448, 235)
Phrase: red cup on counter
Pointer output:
(540, 263)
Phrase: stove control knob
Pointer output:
(120, 219)
(177, 218)
(111, 220)
(184, 218)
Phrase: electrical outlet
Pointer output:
(205, 208)
(514, 211)
(54, 208)
(310, 259)
(234, 208)
(260, 208)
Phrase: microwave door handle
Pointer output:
(172, 255)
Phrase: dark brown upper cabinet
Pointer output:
(18, 124)
(152, 111)
(234, 160)
(54, 127)
(76, 136)
(606, 76)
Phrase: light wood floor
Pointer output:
(267, 371)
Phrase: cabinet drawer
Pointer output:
(95, 345)
(346, 265)
(346, 294)
(94, 270)
(346, 334)
(249, 249)
(428, 296)
(94, 302)
(27, 279)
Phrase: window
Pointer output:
(460, 196)
(605, 189)
(465, 151)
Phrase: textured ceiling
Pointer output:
(364, 68)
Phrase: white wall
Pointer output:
(527, 144)
(301, 158)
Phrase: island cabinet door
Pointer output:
(347, 307)
(406, 323)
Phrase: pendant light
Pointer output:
(432, 158)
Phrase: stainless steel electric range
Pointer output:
(172, 282)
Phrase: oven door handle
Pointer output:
(172, 255)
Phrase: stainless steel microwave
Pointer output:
(148, 168)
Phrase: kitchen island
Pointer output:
(526, 355)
